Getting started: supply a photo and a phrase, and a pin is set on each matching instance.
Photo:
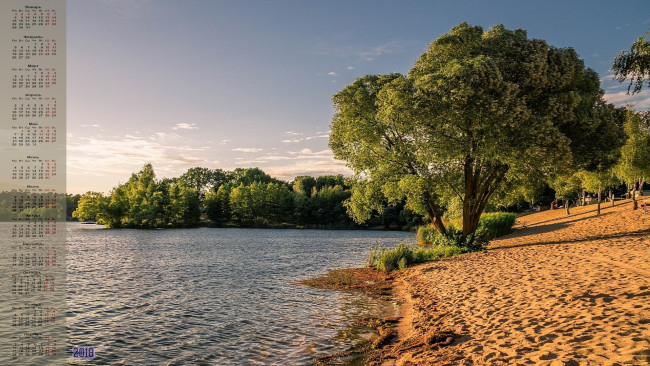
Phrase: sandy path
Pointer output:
(561, 290)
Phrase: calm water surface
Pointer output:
(212, 296)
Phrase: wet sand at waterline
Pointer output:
(560, 290)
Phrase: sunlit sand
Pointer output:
(563, 290)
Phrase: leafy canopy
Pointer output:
(634, 64)
(479, 113)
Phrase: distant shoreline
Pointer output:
(374, 228)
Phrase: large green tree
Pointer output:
(480, 112)
(634, 64)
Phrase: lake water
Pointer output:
(212, 296)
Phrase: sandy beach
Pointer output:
(560, 290)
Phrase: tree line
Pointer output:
(239, 198)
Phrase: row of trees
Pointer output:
(142, 202)
(627, 163)
(242, 198)
(482, 117)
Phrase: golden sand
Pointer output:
(560, 290)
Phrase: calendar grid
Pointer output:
(32, 183)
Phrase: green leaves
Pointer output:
(634, 163)
(634, 64)
(477, 110)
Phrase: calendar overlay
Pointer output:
(32, 183)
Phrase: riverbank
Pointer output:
(565, 290)
(560, 290)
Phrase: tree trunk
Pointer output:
(600, 190)
(434, 213)
(641, 184)
(612, 196)
(480, 183)
(635, 205)
(566, 206)
(470, 219)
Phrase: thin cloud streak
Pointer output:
(247, 149)
(185, 126)
(639, 101)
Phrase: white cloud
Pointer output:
(310, 153)
(640, 101)
(350, 68)
(89, 125)
(185, 126)
(332, 73)
(118, 156)
(390, 47)
(247, 149)
(317, 137)
(251, 162)
(163, 136)
(275, 158)
(364, 54)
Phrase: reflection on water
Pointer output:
(212, 296)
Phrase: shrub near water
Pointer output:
(490, 226)
(386, 260)
(452, 243)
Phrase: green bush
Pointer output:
(490, 226)
(497, 224)
(427, 235)
(404, 255)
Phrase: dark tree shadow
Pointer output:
(630, 234)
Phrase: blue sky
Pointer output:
(227, 84)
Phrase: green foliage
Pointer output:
(204, 179)
(182, 208)
(478, 114)
(491, 225)
(634, 64)
(261, 204)
(246, 197)
(71, 203)
(404, 255)
(303, 185)
(91, 206)
(567, 187)
(217, 204)
(633, 163)
(251, 175)
(427, 235)
(497, 224)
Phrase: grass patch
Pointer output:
(387, 260)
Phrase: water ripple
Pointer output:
(211, 296)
